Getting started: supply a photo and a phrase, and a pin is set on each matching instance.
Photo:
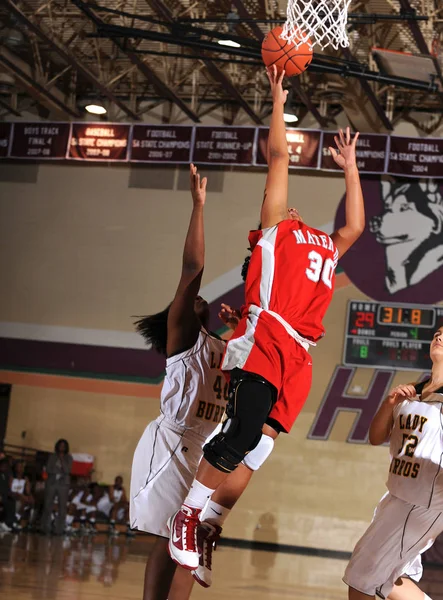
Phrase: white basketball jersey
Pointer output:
(416, 471)
(117, 495)
(18, 486)
(195, 391)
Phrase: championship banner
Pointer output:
(99, 141)
(40, 140)
(303, 148)
(416, 157)
(370, 151)
(5, 138)
(223, 145)
(212, 145)
(161, 143)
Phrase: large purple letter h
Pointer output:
(336, 400)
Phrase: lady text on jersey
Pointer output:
(416, 470)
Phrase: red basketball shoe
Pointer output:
(183, 537)
(207, 538)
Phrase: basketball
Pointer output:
(285, 55)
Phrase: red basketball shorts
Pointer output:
(262, 345)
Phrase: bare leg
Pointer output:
(113, 515)
(182, 585)
(235, 484)
(405, 589)
(209, 475)
(159, 572)
(232, 487)
(354, 595)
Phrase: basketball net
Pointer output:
(323, 22)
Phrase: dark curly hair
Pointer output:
(154, 329)
(245, 265)
(57, 445)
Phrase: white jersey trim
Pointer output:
(267, 243)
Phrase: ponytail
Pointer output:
(154, 329)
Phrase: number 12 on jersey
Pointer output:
(319, 268)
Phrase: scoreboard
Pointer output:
(390, 336)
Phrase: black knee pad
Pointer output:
(250, 400)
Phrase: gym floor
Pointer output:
(38, 567)
(83, 568)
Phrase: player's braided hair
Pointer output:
(245, 265)
(154, 329)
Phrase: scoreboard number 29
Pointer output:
(384, 335)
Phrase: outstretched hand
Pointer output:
(198, 188)
(275, 77)
(344, 155)
(229, 316)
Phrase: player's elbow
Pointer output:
(373, 440)
(192, 269)
(352, 232)
(376, 438)
(278, 155)
(359, 227)
(193, 263)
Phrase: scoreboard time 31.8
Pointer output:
(390, 335)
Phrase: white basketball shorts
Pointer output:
(164, 466)
(392, 546)
(104, 505)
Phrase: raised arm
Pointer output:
(345, 157)
(275, 201)
(183, 324)
(383, 421)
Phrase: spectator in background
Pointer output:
(115, 506)
(90, 499)
(21, 492)
(7, 503)
(120, 504)
(58, 470)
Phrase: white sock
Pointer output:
(198, 495)
(215, 513)
(69, 519)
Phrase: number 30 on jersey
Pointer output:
(320, 269)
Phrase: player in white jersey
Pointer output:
(21, 492)
(193, 401)
(387, 559)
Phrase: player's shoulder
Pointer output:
(205, 343)
(436, 396)
(215, 342)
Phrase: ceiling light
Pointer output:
(290, 117)
(95, 109)
(230, 43)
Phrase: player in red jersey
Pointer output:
(289, 286)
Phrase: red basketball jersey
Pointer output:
(292, 273)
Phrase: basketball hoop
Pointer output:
(323, 22)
